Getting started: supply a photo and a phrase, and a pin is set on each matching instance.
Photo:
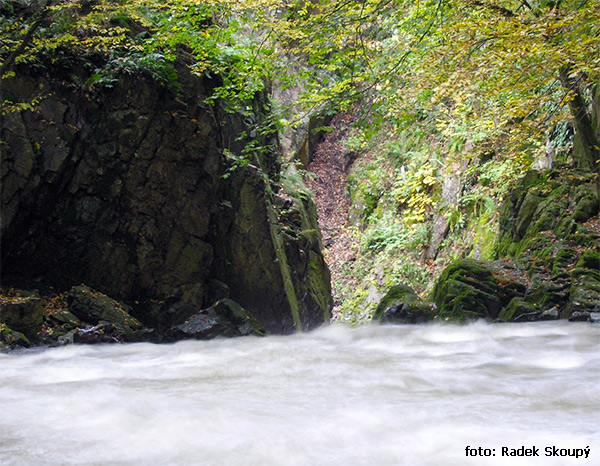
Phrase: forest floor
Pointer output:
(328, 181)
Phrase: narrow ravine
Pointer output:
(328, 181)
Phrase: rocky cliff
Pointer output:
(122, 187)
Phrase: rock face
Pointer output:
(122, 188)
(549, 242)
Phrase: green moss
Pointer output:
(288, 283)
(516, 308)
(11, 339)
(467, 289)
(319, 288)
(589, 260)
(395, 294)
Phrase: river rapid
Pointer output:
(377, 395)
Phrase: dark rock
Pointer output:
(224, 319)
(579, 316)
(550, 314)
(101, 333)
(245, 322)
(93, 307)
(273, 264)
(128, 191)
(23, 314)
(402, 305)
(518, 310)
(11, 339)
(66, 319)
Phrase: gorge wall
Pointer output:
(121, 187)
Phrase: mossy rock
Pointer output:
(402, 305)
(465, 290)
(246, 323)
(526, 212)
(92, 307)
(589, 260)
(519, 310)
(563, 258)
(65, 318)
(586, 203)
(469, 289)
(22, 314)
(11, 339)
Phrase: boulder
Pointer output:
(11, 339)
(224, 319)
(23, 314)
(93, 307)
(402, 305)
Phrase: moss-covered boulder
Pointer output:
(11, 339)
(584, 296)
(519, 310)
(94, 307)
(402, 305)
(470, 289)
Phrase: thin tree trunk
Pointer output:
(587, 154)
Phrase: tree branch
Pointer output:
(10, 60)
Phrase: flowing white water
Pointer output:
(393, 395)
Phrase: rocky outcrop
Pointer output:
(548, 263)
(126, 188)
(549, 242)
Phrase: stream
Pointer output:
(374, 395)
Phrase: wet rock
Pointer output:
(93, 307)
(550, 314)
(245, 322)
(271, 256)
(22, 314)
(11, 339)
(402, 305)
(101, 333)
(518, 310)
(579, 316)
(65, 318)
(226, 318)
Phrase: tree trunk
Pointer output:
(586, 152)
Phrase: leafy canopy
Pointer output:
(487, 72)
